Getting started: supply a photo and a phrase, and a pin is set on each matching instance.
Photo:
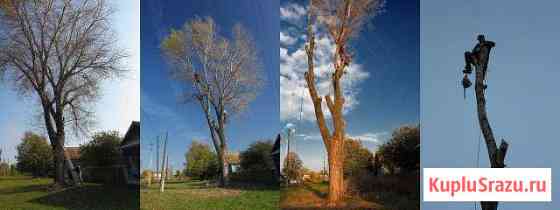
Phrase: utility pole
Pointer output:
(157, 158)
(167, 168)
(478, 58)
(289, 159)
(151, 145)
(163, 171)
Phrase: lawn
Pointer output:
(31, 193)
(314, 196)
(197, 195)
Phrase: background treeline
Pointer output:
(35, 156)
(253, 165)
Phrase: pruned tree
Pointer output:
(479, 58)
(342, 19)
(59, 51)
(223, 75)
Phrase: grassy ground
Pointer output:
(196, 195)
(385, 195)
(314, 196)
(30, 194)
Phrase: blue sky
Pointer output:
(161, 111)
(381, 86)
(19, 113)
(522, 97)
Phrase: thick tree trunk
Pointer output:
(59, 164)
(217, 135)
(221, 115)
(334, 144)
(63, 165)
(224, 177)
(336, 175)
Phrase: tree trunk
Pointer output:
(59, 161)
(335, 144)
(495, 155)
(224, 179)
(224, 176)
(218, 140)
(336, 175)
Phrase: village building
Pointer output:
(234, 163)
(275, 153)
(130, 150)
(125, 171)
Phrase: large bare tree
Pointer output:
(223, 75)
(342, 19)
(59, 51)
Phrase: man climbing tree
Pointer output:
(479, 59)
(223, 75)
(59, 51)
(342, 19)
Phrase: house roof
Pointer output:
(132, 136)
(233, 158)
(276, 147)
(73, 153)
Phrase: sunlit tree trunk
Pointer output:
(334, 144)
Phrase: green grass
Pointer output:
(196, 195)
(31, 193)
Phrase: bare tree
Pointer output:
(342, 20)
(478, 58)
(223, 74)
(59, 51)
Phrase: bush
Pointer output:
(257, 164)
(201, 161)
(102, 150)
(357, 159)
(402, 152)
(34, 155)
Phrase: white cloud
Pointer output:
(377, 138)
(370, 137)
(292, 12)
(294, 96)
(295, 102)
(286, 39)
(309, 137)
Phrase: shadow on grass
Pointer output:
(248, 186)
(93, 196)
(327, 208)
(316, 191)
(204, 184)
(22, 189)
